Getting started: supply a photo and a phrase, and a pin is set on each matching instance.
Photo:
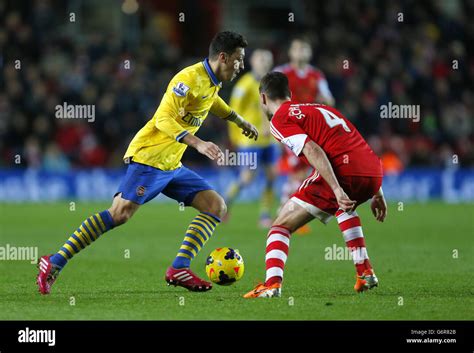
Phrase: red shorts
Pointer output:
(316, 196)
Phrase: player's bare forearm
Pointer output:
(209, 149)
(379, 193)
(191, 140)
(247, 129)
(327, 100)
(319, 161)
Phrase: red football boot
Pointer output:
(184, 277)
(47, 274)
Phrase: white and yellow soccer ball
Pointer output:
(225, 266)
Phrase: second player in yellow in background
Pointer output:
(245, 101)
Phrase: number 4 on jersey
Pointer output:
(333, 120)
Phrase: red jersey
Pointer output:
(294, 124)
(305, 85)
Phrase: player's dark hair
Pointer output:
(300, 38)
(275, 85)
(227, 42)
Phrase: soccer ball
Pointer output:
(225, 266)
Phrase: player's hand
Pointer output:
(379, 207)
(344, 202)
(249, 130)
(209, 149)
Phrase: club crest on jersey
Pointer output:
(180, 89)
(296, 112)
(141, 190)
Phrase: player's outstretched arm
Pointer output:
(378, 206)
(209, 149)
(247, 129)
(222, 110)
(319, 161)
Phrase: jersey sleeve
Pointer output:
(173, 105)
(288, 132)
(220, 108)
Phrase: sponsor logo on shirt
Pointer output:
(192, 120)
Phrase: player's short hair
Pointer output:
(300, 38)
(275, 85)
(227, 42)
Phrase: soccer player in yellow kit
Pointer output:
(245, 100)
(154, 164)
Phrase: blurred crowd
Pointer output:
(368, 55)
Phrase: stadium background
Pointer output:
(423, 60)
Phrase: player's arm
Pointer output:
(166, 123)
(222, 110)
(325, 96)
(319, 161)
(378, 206)
(170, 127)
(173, 105)
(206, 148)
(289, 132)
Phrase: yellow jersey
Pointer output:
(245, 101)
(190, 95)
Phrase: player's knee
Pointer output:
(284, 221)
(121, 214)
(218, 207)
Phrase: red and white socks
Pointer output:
(351, 229)
(278, 242)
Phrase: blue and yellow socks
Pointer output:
(91, 229)
(198, 233)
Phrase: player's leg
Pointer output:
(300, 177)
(191, 189)
(361, 189)
(269, 159)
(93, 227)
(212, 208)
(246, 176)
(310, 201)
(140, 184)
(351, 229)
(87, 233)
(291, 217)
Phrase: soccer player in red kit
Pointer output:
(346, 174)
(307, 85)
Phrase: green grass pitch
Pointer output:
(413, 253)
